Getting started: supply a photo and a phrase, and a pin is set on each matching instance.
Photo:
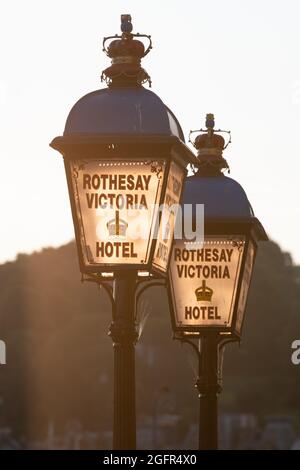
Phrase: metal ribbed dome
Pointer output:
(122, 111)
(222, 197)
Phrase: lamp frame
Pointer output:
(122, 147)
(253, 231)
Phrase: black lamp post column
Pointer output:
(208, 387)
(124, 336)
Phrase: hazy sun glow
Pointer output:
(236, 59)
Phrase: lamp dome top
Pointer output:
(122, 111)
(223, 197)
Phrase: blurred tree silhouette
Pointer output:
(59, 356)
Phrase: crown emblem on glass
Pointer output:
(117, 227)
(204, 293)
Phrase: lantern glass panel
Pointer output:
(168, 217)
(116, 205)
(203, 281)
(249, 262)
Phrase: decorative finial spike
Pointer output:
(210, 121)
(126, 25)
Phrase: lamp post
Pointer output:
(124, 156)
(208, 284)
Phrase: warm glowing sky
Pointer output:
(237, 59)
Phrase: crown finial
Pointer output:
(126, 51)
(210, 146)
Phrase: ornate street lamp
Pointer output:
(209, 283)
(124, 156)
